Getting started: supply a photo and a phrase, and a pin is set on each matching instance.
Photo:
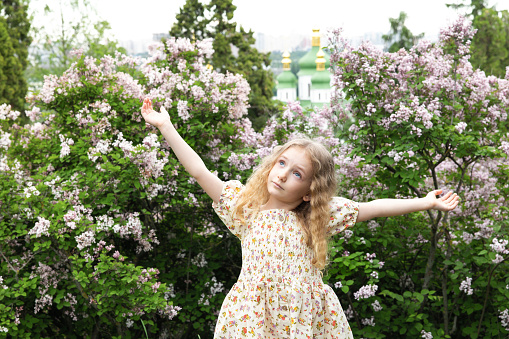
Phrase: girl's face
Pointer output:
(290, 179)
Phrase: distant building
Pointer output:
(286, 81)
(160, 36)
(312, 86)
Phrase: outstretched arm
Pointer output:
(392, 207)
(193, 164)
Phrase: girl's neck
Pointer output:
(276, 205)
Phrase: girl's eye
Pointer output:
(281, 162)
(297, 174)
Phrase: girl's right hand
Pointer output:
(152, 117)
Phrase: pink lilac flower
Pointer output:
(33, 114)
(466, 286)
(170, 311)
(504, 319)
(376, 306)
(1, 283)
(499, 246)
(504, 146)
(426, 335)
(85, 239)
(183, 110)
(64, 143)
(460, 127)
(41, 228)
(370, 257)
(6, 112)
(5, 140)
(365, 292)
(40, 303)
(368, 321)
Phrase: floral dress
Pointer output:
(279, 294)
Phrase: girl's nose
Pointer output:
(282, 176)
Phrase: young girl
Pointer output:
(283, 217)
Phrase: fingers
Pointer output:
(146, 108)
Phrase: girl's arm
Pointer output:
(210, 183)
(392, 207)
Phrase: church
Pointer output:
(312, 85)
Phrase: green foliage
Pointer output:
(233, 50)
(391, 151)
(399, 35)
(490, 46)
(57, 284)
(14, 42)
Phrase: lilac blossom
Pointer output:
(199, 260)
(65, 143)
(41, 228)
(426, 335)
(376, 306)
(504, 319)
(499, 246)
(86, 239)
(465, 286)
(460, 127)
(365, 292)
(6, 112)
(370, 257)
(30, 190)
(43, 301)
(2, 283)
(368, 321)
(5, 140)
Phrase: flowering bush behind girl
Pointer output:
(92, 205)
(414, 121)
(101, 230)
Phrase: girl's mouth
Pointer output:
(277, 186)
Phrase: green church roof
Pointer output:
(286, 80)
(307, 63)
(320, 80)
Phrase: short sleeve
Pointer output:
(225, 208)
(343, 214)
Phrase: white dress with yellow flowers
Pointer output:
(279, 294)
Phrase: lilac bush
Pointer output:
(93, 202)
(104, 234)
(414, 121)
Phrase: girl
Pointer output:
(283, 217)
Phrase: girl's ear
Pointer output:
(307, 197)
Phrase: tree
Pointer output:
(233, 50)
(421, 120)
(15, 26)
(75, 26)
(476, 6)
(399, 35)
(490, 45)
(101, 230)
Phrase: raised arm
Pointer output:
(193, 164)
(392, 207)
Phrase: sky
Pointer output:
(135, 20)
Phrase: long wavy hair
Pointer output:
(312, 215)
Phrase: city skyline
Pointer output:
(286, 17)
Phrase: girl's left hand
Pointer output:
(446, 203)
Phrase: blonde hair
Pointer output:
(312, 215)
